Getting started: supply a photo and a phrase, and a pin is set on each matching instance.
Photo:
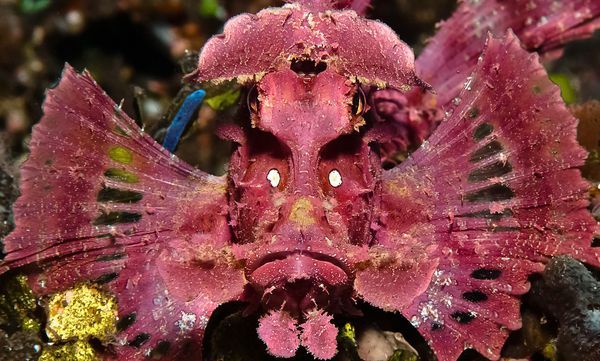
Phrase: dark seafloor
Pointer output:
(136, 50)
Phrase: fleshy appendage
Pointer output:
(277, 38)
(283, 336)
(402, 122)
(101, 201)
(492, 195)
(360, 6)
(543, 26)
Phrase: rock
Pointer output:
(571, 294)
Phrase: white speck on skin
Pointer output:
(469, 83)
(447, 301)
(503, 158)
(187, 322)
(429, 312)
(203, 321)
(440, 280)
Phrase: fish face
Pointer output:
(303, 185)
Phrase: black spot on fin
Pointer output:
(106, 278)
(436, 326)
(495, 192)
(107, 219)
(482, 131)
(119, 196)
(487, 214)
(462, 317)
(111, 257)
(504, 229)
(496, 169)
(125, 322)
(139, 340)
(160, 350)
(486, 274)
(492, 148)
(475, 296)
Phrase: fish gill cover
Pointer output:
(307, 222)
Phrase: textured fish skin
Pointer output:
(360, 6)
(171, 223)
(306, 222)
(243, 52)
(402, 122)
(543, 26)
(498, 193)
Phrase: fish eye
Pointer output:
(274, 177)
(335, 178)
(359, 103)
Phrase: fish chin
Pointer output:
(299, 282)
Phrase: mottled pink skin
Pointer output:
(402, 122)
(319, 335)
(338, 38)
(279, 331)
(304, 217)
(360, 6)
(543, 26)
(283, 336)
(484, 203)
(448, 238)
(182, 228)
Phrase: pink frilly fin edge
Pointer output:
(543, 26)
(492, 195)
(101, 201)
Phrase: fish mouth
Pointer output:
(285, 267)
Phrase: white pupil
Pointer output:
(335, 178)
(274, 177)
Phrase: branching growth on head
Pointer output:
(360, 6)
(307, 221)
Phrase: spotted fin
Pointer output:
(101, 201)
(479, 207)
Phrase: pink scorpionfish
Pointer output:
(307, 222)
